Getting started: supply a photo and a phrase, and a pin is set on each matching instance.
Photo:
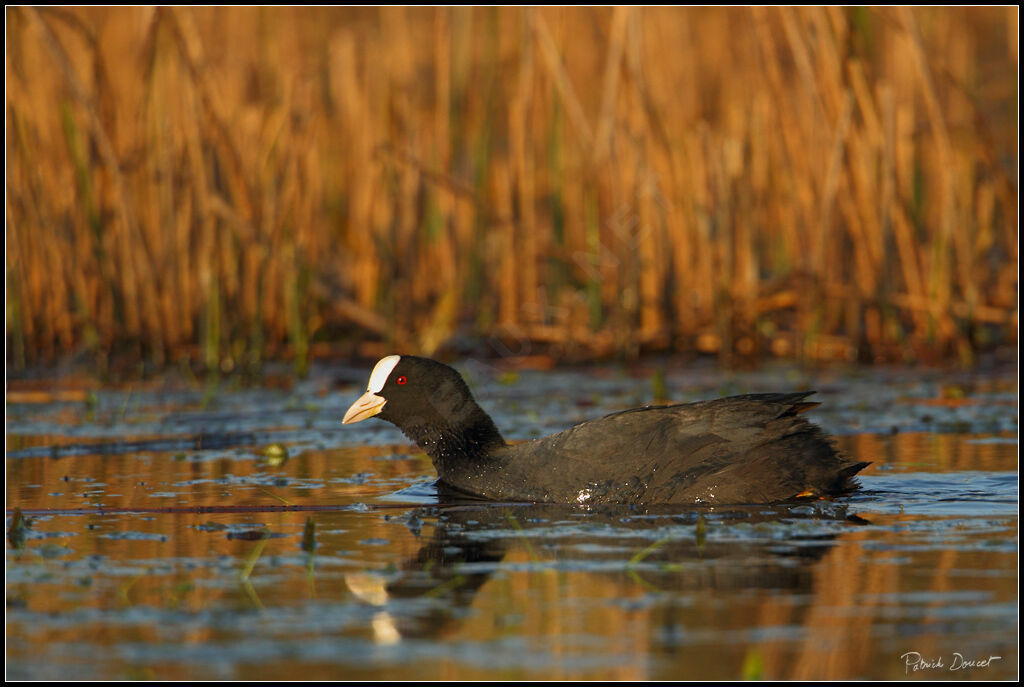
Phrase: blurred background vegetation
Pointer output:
(225, 186)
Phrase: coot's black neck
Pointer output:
(469, 437)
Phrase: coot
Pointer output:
(754, 448)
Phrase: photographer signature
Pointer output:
(915, 661)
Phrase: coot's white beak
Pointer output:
(368, 405)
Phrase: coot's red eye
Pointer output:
(401, 380)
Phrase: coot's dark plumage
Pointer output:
(743, 449)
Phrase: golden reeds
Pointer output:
(231, 184)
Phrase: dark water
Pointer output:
(177, 533)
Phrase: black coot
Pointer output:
(754, 448)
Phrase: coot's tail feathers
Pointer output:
(847, 472)
(853, 468)
(793, 403)
(787, 398)
(845, 481)
(796, 402)
(842, 481)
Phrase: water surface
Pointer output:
(181, 533)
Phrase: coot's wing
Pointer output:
(741, 449)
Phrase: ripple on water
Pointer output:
(342, 562)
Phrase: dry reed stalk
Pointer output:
(522, 256)
(182, 26)
(400, 173)
(939, 282)
(610, 87)
(128, 226)
(787, 125)
(508, 314)
(651, 266)
(556, 69)
(831, 184)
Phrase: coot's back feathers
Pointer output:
(755, 448)
(742, 449)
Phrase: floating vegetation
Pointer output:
(276, 455)
(18, 530)
(309, 536)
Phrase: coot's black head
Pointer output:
(430, 403)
